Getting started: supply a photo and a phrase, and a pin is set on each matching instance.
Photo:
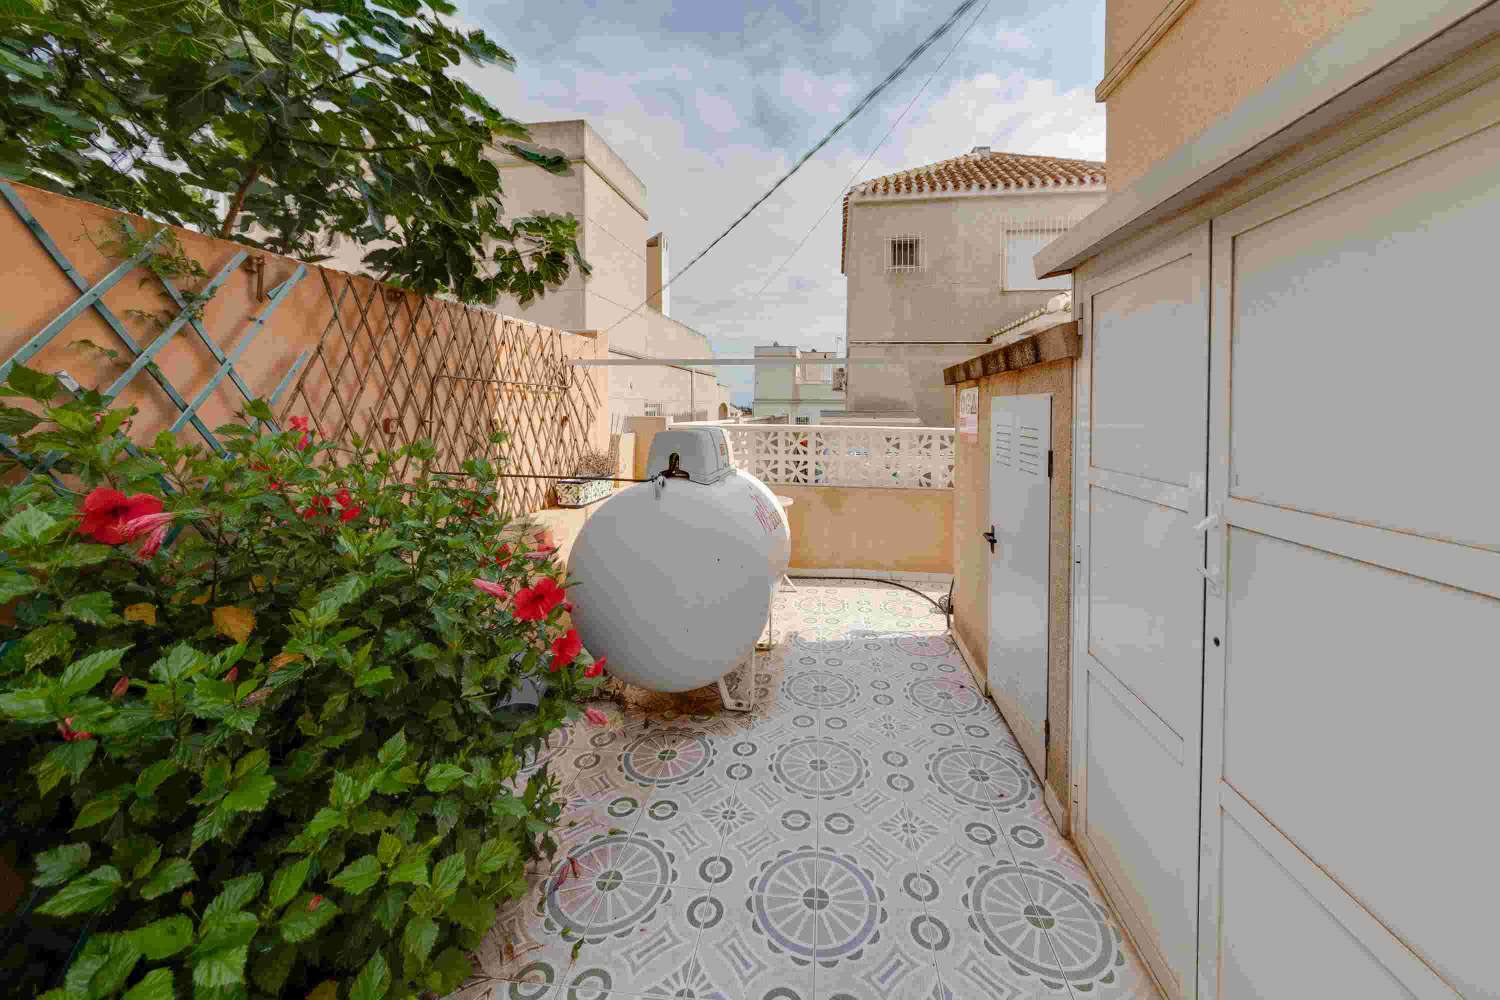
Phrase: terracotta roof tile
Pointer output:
(980, 170)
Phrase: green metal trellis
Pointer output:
(92, 297)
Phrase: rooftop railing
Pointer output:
(913, 458)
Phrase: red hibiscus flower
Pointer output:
(596, 717)
(502, 555)
(151, 529)
(350, 513)
(537, 601)
(106, 512)
(565, 649)
(319, 505)
(596, 668)
(300, 424)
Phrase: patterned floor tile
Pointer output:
(741, 960)
(638, 947)
(892, 956)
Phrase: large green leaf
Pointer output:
(81, 675)
(288, 881)
(56, 866)
(102, 807)
(359, 876)
(250, 794)
(85, 893)
(420, 935)
(170, 874)
(154, 985)
(164, 938)
(448, 875)
(373, 980)
(442, 777)
(94, 608)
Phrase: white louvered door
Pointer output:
(1020, 443)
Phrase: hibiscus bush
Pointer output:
(266, 714)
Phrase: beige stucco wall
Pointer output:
(33, 290)
(1217, 53)
(971, 555)
(853, 527)
(921, 321)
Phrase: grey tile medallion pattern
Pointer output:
(871, 831)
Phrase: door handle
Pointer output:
(989, 536)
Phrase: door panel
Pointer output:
(1137, 672)
(1151, 333)
(1020, 514)
(1268, 917)
(1306, 621)
(1350, 681)
(1140, 825)
(1323, 297)
(1144, 602)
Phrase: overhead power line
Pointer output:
(894, 75)
(883, 139)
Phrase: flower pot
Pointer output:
(581, 492)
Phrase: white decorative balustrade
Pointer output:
(914, 458)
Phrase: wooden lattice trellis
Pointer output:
(393, 367)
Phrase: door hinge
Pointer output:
(1049, 463)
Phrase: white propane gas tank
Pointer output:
(673, 583)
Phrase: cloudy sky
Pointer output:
(710, 101)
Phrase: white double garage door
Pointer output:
(1287, 652)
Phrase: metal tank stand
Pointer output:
(746, 668)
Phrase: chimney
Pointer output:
(980, 151)
(656, 273)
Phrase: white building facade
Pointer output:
(807, 392)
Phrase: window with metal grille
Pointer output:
(1023, 240)
(906, 253)
(653, 410)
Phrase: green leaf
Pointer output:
(96, 608)
(448, 875)
(33, 384)
(420, 935)
(82, 675)
(237, 893)
(219, 967)
(164, 938)
(14, 585)
(85, 893)
(442, 777)
(67, 760)
(451, 968)
(102, 807)
(155, 985)
(56, 866)
(104, 965)
(46, 642)
(470, 912)
(394, 750)
(359, 875)
(151, 778)
(288, 880)
(389, 849)
(250, 794)
(388, 908)
(412, 872)
(299, 923)
(29, 526)
(170, 874)
(27, 705)
(14, 420)
(373, 980)
(494, 854)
